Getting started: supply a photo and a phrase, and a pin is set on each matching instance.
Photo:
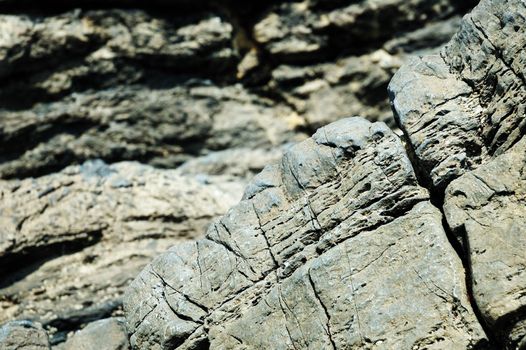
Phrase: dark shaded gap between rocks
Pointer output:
(76, 320)
(14, 267)
(461, 246)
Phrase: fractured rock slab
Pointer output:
(336, 246)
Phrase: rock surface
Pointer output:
(489, 213)
(168, 84)
(106, 334)
(23, 335)
(461, 108)
(72, 241)
(463, 115)
(328, 247)
(336, 245)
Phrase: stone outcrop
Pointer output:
(327, 247)
(164, 83)
(72, 241)
(353, 238)
(463, 115)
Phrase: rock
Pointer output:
(336, 246)
(106, 334)
(128, 86)
(235, 163)
(104, 47)
(215, 90)
(120, 84)
(23, 335)
(164, 127)
(302, 31)
(462, 108)
(356, 85)
(73, 240)
(463, 115)
(324, 93)
(488, 212)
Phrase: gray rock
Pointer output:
(463, 115)
(98, 44)
(336, 246)
(235, 163)
(72, 241)
(106, 334)
(487, 209)
(118, 84)
(463, 107)
(23, 335)
(218, 89)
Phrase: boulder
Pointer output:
(336, 246)
(105, 334)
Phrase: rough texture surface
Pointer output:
(337, 245)
(71, 241)
(489, 214)
(166, 84)
(465, 106)
(463, 115)
(328, 247)
(23, 335)
(106, 334)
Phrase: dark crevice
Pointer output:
(325, 310)
(73, 320)
(458, 240)
(202, 344)
(15, 266)
(14, 145)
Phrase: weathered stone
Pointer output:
(356, 85)
(487, 209)
(335, 246)
(157, 83)
(465, 106)
(106, 334)
(72, 241)
(163, 127)
(307, 30)
(23, 335)
(100, 43)
(463, 115)
(95, 81)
